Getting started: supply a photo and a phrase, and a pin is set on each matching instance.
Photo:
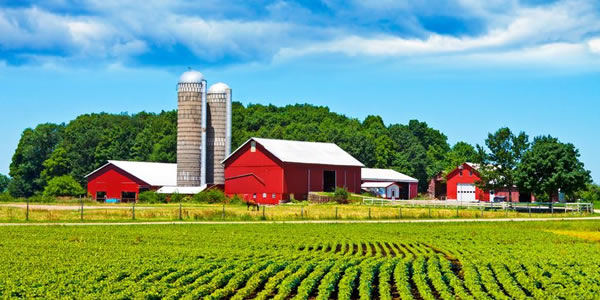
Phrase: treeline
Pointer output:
(55, 157)
(75, 149)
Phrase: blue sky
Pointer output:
(466, 67)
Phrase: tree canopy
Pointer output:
(4, 181)
(53, 150)
(549, 166)
(499, 162)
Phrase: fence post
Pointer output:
(133, 210)
(400, 208)
(81, 201)
(223, 213)
(180, 212)
(302, 212)
(552, 208)
(264, 212)
(27, 211)
(529, 208)
(457, 206)
(336, 212)
(481, 208)
(369, 212)
(430, 211)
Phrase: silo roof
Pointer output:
(191, 76)
(218, 88)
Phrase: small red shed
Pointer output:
(124, 180)
(460, 185)
(270, 170)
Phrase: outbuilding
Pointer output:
(269, 170)
(124, 180)
(461, 186)
(373, 180)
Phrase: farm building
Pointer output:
(124, 180)
(389, 183)
(269, 170)
(461, 186)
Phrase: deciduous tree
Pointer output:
(549, 166)
(498, 165)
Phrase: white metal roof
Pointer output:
(305, 152)
(218, 88)
(191, 76)
(375, 184)
(154, 174)
(385, 175)
(184, 190)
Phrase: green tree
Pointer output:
(460, 153)
(63, 186)
(4, 181)
(35, 147)
(549, 166)
(56, 165)
(498, 167)
(590, 194)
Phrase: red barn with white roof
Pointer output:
(269, 170)
(124, 180)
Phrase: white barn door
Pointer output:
(465, 192)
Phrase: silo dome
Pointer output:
(191, 76)
(218, 88)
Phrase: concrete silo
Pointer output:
(218, 131)
(191, 129)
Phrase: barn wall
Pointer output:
(414, 190)
(113, 181)
(296, 178)
(454, 178)
(248, 173)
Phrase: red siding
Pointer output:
(469, 176)
(248, 173)
(414, 190)
(113, 181)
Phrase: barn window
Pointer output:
(460, 173)
(471, 173)
(253, 146)
(127, 196)
(254, 195)
(100, 196)
(274, 196)
(264, 195)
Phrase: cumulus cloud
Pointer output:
(148, 32)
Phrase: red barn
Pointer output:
(379, 179)
(124, 180)
(461, 186)
(269, 170)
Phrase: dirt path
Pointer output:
(308, 222)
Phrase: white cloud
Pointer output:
(594, 45)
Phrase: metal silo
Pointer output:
(218, 131)
(191, 129)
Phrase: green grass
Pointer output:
(491, 260)
(235, 212)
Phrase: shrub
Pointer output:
(152, 197)
(6, 197)
(341, 195)
(210, 196)
(63, 186)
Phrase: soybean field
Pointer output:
(549, 260)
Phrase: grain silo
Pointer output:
(191, 129)
(218, 132)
